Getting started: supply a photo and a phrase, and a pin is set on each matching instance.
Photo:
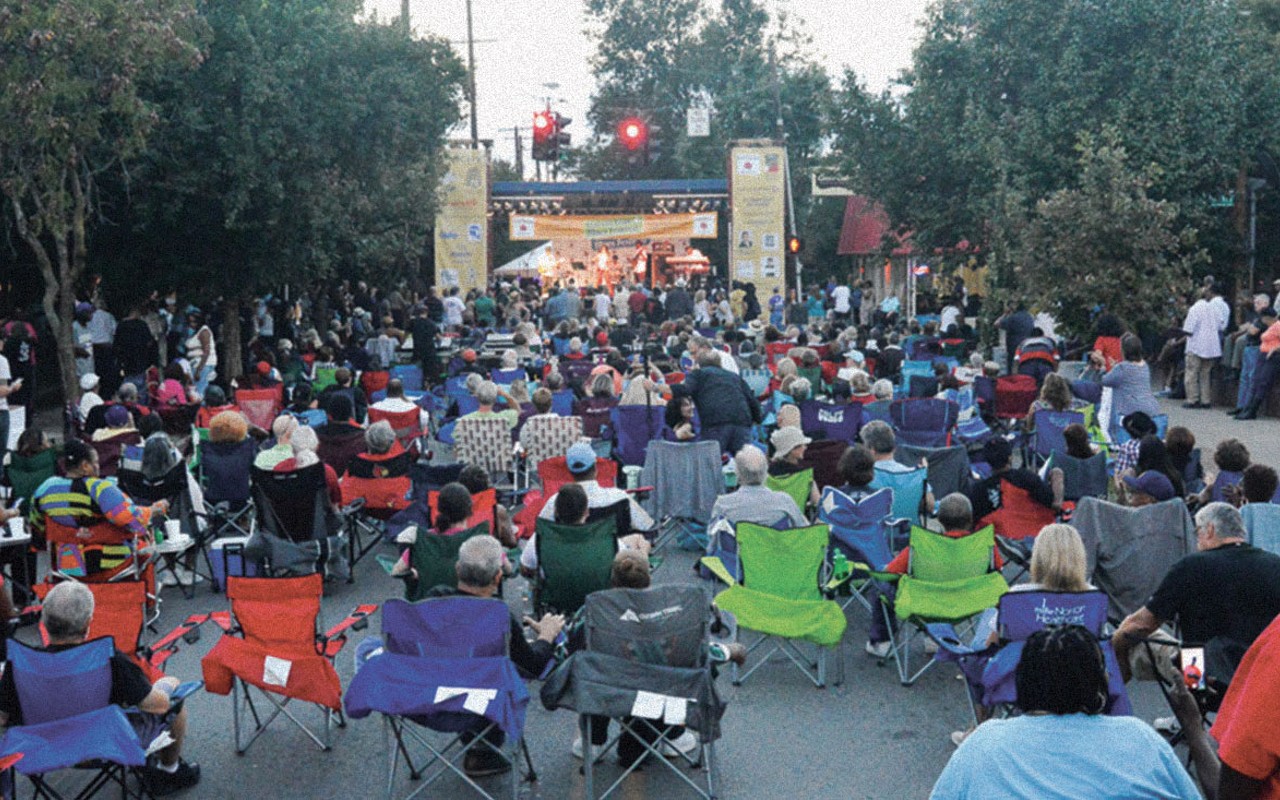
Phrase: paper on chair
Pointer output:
(648, 705)
(475, 700)
(275, 671)
(676, 710)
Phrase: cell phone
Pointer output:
(185, 690)
(1191, 662)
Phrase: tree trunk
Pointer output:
(230, 361)
(58, 300)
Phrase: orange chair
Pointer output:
(1019, 516)
(261, 406)
(484, 508)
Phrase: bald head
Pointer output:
(751, 465)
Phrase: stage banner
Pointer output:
(462, 227)
(757, 199)
(541, 227)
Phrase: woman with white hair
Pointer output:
(304, 444)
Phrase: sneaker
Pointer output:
(483, 762)
(684, 744)
(169, 578)
(160, 783)
(1167, 725)
(879, 649)
(187, 577)
(958, 737)
(576, 748)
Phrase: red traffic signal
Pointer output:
(633, 132)
(544, 132)
(795, 245)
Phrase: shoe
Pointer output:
(169, 578)
(160, 782)
(1235, 411)
(576, 748)
(879, 649)
(737, 653)
(683, 745)
(958, 737)
(1166, 725)
(1164, 393)
(1195, 405)
(187, 577)
(483, 762)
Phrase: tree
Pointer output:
(71, 112)
(306, 144)
(1105, 242)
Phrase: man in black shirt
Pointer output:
(424, 332)
(135, 349)
(1222, 596)
(67, 610)
(985, 494)
(479, 575)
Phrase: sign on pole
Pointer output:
(757, 196)
(698, 122)
(462, 227)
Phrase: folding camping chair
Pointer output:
(373, 381)
(406, 424)
(947, 468)
(947, 580)
(1019, 516)
(446, 669)
(434, 557)
(544, 437)
(339, 444)
(228, 495)
(908, 487)
(1049, 426)
(272, 644)
(261, 406)
(122, 610)
(643, 645)
(505, 377)
(1013, 396)
(573, 562)
(915, 368)
(924, 421)
(1262, 523)
(69, 722)
(298, 531)
(634, 427)
(486, 443)
(325, 377)
(757, 380)
(374, 489)
(686, 478)
(562, 402)
(174, 488)
(781, 597)
(823, 457)
(866, 532)
(410, 375)
(989, 670)
(839, 422)
(1081, 477)
(111, 452)
(798, 486)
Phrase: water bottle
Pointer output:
(840, 565)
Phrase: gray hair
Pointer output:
(751, 465)
(128, 393)
(473, 382)
(882, 389)
(304, 443)
(284, 427)
(509, 360)
(1225, 519)
(955, 512)
(801, 388)
(487, 393)
(380, 437)
(479, 561)
(67, 610)
(878, 436)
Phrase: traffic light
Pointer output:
(560, 140)
(544, 134)
(795, 245)
(633, 134)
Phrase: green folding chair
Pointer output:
(325, 377)
(947, 580)
(435, 559)
(573, 562)
(781, 598)
(797, 486)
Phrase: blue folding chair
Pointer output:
(879, 410)
(1081, 477)
(633, 428)
(562, 403)
(864, 531)
(838, 422)
(444, 668)
(908, 490)
(506, 376)
(911, 368)
(925, 421)
(1225, 480)
(1262, 523)
(410, 375)
(1049, 426)
(757, 380)
(68, 720)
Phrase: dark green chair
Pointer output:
(573, 562)
(435, 558)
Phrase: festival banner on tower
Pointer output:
(757, 197)
(462, 227)
(533, 227)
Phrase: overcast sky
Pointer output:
(523, 44)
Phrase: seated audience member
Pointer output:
(1258, 485)
(305, 443)
(1153, 457)
(752, 501)
(1077, 440)
(89, 397)
(487, 394)
(173, 389)
(1245, 728)
(789, 445)
(480, 573)
(1222, 596)
(119, 427)
(65, 616)
(396, 403)
(1180, 444)
(858, 469)
(282, 430)
(341, 438)
(1136, 425)
(1063, 746)
(681, 424)
(215, 402)
(986, 494)
(474, 477)
(1145, 489)
(344, 385)
(1229, 456)
(595, 408)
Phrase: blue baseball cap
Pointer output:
(580, 458)
(1152, 483)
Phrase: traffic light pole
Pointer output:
(471, 71)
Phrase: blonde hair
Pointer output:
(789, 416)
(1058, 560)
(786, 367)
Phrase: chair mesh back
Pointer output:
(53, 686)
(783, 563)
(573, 562)
(936, 558)
(293, 504)
(226, 469)
(435, 557)
(860, 526)
(447, 627)
(665, 626)
(1024, 613)
(278, 613)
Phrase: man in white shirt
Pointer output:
(453, 308)
(950, 316)
(697, 344)
(1204, 346)
(840, 297)
(7, 387)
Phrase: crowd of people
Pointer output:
(749, 376)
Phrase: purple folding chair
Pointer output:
(633, 428)
(830, 421)
(925, 421)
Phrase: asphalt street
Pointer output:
(868, 738)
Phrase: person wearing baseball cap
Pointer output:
(89, 397)
(1147, 488)
(580, 460)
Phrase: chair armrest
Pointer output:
(717, 568)
(352, 507)
(223, 620)
(334, 639)
(166, 646)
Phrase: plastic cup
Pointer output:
(172, 528)
(632, 474)
(16, 527)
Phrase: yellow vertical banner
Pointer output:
(757, 198)
(462, 225)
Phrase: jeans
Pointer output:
(4, 433)
(881, 596)
(202, 380)
(1199, 389)
(1263, 378)
(1248, 367)
(732, 438)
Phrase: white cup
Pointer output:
(172, 528)
(17, 527)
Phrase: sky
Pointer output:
(522, 45)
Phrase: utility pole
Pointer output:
(471, 71)
(780, 130)
(404, 14)
(519, 152)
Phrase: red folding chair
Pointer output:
(1014, 396)
(406, 424)
(374, 380)
(484, 508)
(261, 406)
(272, 644)
(1019, 516)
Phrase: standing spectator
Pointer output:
(424, 331)
(841, 298)
(1202, 326)
(1242, 350)
(102, 334)
(82, 341)
(453, 308)
(1130, 380)
(20, 348)
(137, 350)
(1268, 365)
(8, 386)
(726, 405)
(201, 352)
(1017, 324)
